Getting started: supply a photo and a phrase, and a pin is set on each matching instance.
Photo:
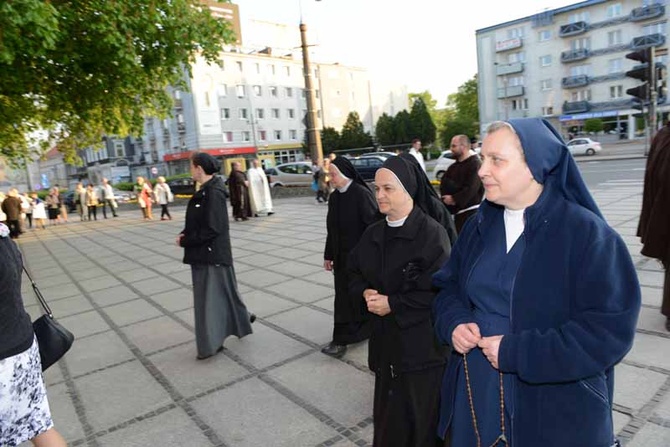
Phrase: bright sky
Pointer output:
(425, 44)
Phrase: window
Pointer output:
(514, 33)
(225, 114)
(303, 93)
(289, 92)
(520, 104)
(275, 113)
(177, 94)
(273, 91)
(293, 134)
(258, 68)
(244, 114)
(517, 56)
(277, 135)
(246, 136)
(545, 61)
(580, 44)
(287, 70)
(262, 135)
(546, 84)
(614, 38)
(579, 17)
(654, 28)
(239, 66)
(271, 69)
(514, 81)
(221, 63)
(227, 137)
(547, 111)
(544, 35)
(578, 70)
(316, 94)
(615, 66)
(240, 91)
(257, 90)
(119, 149)
(290, 113)
(614, 10)
(260, 114)
(616, 91)
(222, 90)
(581, 95)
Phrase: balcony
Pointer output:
(575, 81)
(508, 44)
(181, 127)
(651, 40)
(178, 104)
(510, 91)
(576, 107)
(506, 69)
(647, 12)
(575, 55)
(573, 29)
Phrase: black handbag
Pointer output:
(53, 339)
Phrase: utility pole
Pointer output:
(313, 135)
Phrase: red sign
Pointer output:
(213, 152)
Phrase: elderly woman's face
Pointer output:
(504, 172)
(391, 196)
(336, 177)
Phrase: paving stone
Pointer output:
(84, 324)
(131, 312)
(124, 266)
(619, 421)
(652, 296)
(261, 260)
(112, 295)
(174, 300)
(107, 395)
(326, 303)
(190, 376)
(293, 268)
(187, 316)
(69, 306)
(358, 353)
(46, 273)
(260, 416)
(137, 275)
(260, 278)
(265, 347)
(264, 304)
(159, 333)
(651, 435)
(54, 374)
(646, 349)
(648, 278)
(51, 292)
(104, 282)
(89, 273)
(153, 286)
(663, 409)
(306, 378)
(302, 291)
(322, 277)
(634, 387)
(183, 277)
(307, 323)
(96, 352)
(182, 432)
(652, 320)
(63, 412)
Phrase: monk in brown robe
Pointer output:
(239, 192)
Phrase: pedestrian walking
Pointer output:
(144, 194)
(92, 201)
(11, 206)
(219, 310)
(239, 192)
(53, 205)
(391, 267)
(323, 181)
(80, 201)
(654, 225)
(62, 206)
(24, 406)
(415, 151)
(259, 190)
(107, 198)
(27, 207)
(39, 211)
(351, 209)
(538, 313)
(163, 197)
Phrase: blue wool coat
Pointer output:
(574, 308)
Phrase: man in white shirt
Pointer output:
(108, 200)
(259, 190)
(415, 151)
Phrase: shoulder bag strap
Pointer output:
(40, 298)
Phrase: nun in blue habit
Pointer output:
(539, 300)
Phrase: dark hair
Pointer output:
(416, 140)
(208, 163)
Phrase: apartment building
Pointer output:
(568, 64)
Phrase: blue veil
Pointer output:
(550, 161)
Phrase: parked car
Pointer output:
(69, 199)
(186, 186)
(367, 165)
(583, 146)
(297, 173)
(445, 160)
(379, 154)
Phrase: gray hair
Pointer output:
(498, 125)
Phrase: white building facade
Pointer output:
(568, 64)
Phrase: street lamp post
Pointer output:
(313, 135)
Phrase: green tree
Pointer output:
(330, 140)
(462, 113)
(403, 127)
(421, 123)
(385, 130)
(594, 125)
(81, 70)
(353, 133)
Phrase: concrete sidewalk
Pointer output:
(131, 378)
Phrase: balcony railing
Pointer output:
(510, 91)
(647, 12)
(576, 107)
(575, 81)
(507, 69)
(651, 40)
(572, 29)
(575, 55)
(509, 44)
(181, 127)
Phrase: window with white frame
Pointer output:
(222, 90)
(260, 113)
(513, 81)
(546, 84)
(287, 70)
(240, 90)
(271, 69)
(513, 33)
(578, 70)
(246, 135)
(290, 113)
(293, 134)
(240, 68)
(579, 17)
(545, 61)
(262, 135)
(517, 56)
(614, 10)
(244, 114)
(275, 113)
(654, 28)
(258, 68)
(547, 111)
(225, 114)
(289, 92)
(614, 38)
(581, 95)
(119, 149)
(316, 94)
(544, 35)
(583, 43)
(616, 91)
(520, 104)
(227, 137)
(277, 134)
(615, 66)
(273, 91)
(257, 90)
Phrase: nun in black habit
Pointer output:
(351, 209)
(391, 269)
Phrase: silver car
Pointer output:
(298, 173)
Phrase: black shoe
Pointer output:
(203, 357)
(252, 318)
(335, 350)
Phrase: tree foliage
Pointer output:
(81, 70)
(353, 133)
(421, 123)
(385, 130)
(462, 113)
(594, 125)
(330, 140)
(403, 127)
